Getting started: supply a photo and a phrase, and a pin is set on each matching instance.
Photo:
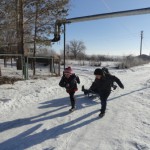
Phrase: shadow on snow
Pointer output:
(128, 93)
(26, 140)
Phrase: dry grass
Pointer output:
(8, 80)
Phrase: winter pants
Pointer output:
(103, 98)
(72, 99)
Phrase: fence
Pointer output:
(44, 66)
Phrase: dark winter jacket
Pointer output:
(70, 83)
(104, 84)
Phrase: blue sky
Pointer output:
(112, 36)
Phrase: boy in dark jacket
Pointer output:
(102, 86)
(69, 81)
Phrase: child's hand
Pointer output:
(122, 86)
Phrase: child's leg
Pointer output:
(86, 91)
(104, 102)
(72, 99)
(103, 105)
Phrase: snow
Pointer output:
(34, 114)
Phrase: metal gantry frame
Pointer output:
(53, 61)
(58, 23)
(15, 55)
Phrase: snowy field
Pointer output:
(34, 114)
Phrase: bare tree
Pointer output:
(31, 21)
(76, 48)
(43, 20)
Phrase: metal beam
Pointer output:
(110, 15)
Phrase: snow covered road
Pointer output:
(34, 115)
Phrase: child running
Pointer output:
(69, 81)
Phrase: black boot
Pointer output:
(83, 88)
(72, 109)
(101, 115)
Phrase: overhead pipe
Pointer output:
(95, 17)
(111, 15)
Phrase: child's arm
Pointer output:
(62, 82)
(118, 82)
(77, 79)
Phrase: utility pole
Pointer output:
(141, 43)
(64, 46)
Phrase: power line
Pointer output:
(125, 27)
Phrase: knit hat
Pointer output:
(68, 70)
(98, 71)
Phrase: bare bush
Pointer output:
(131, 61)
(95, 63)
